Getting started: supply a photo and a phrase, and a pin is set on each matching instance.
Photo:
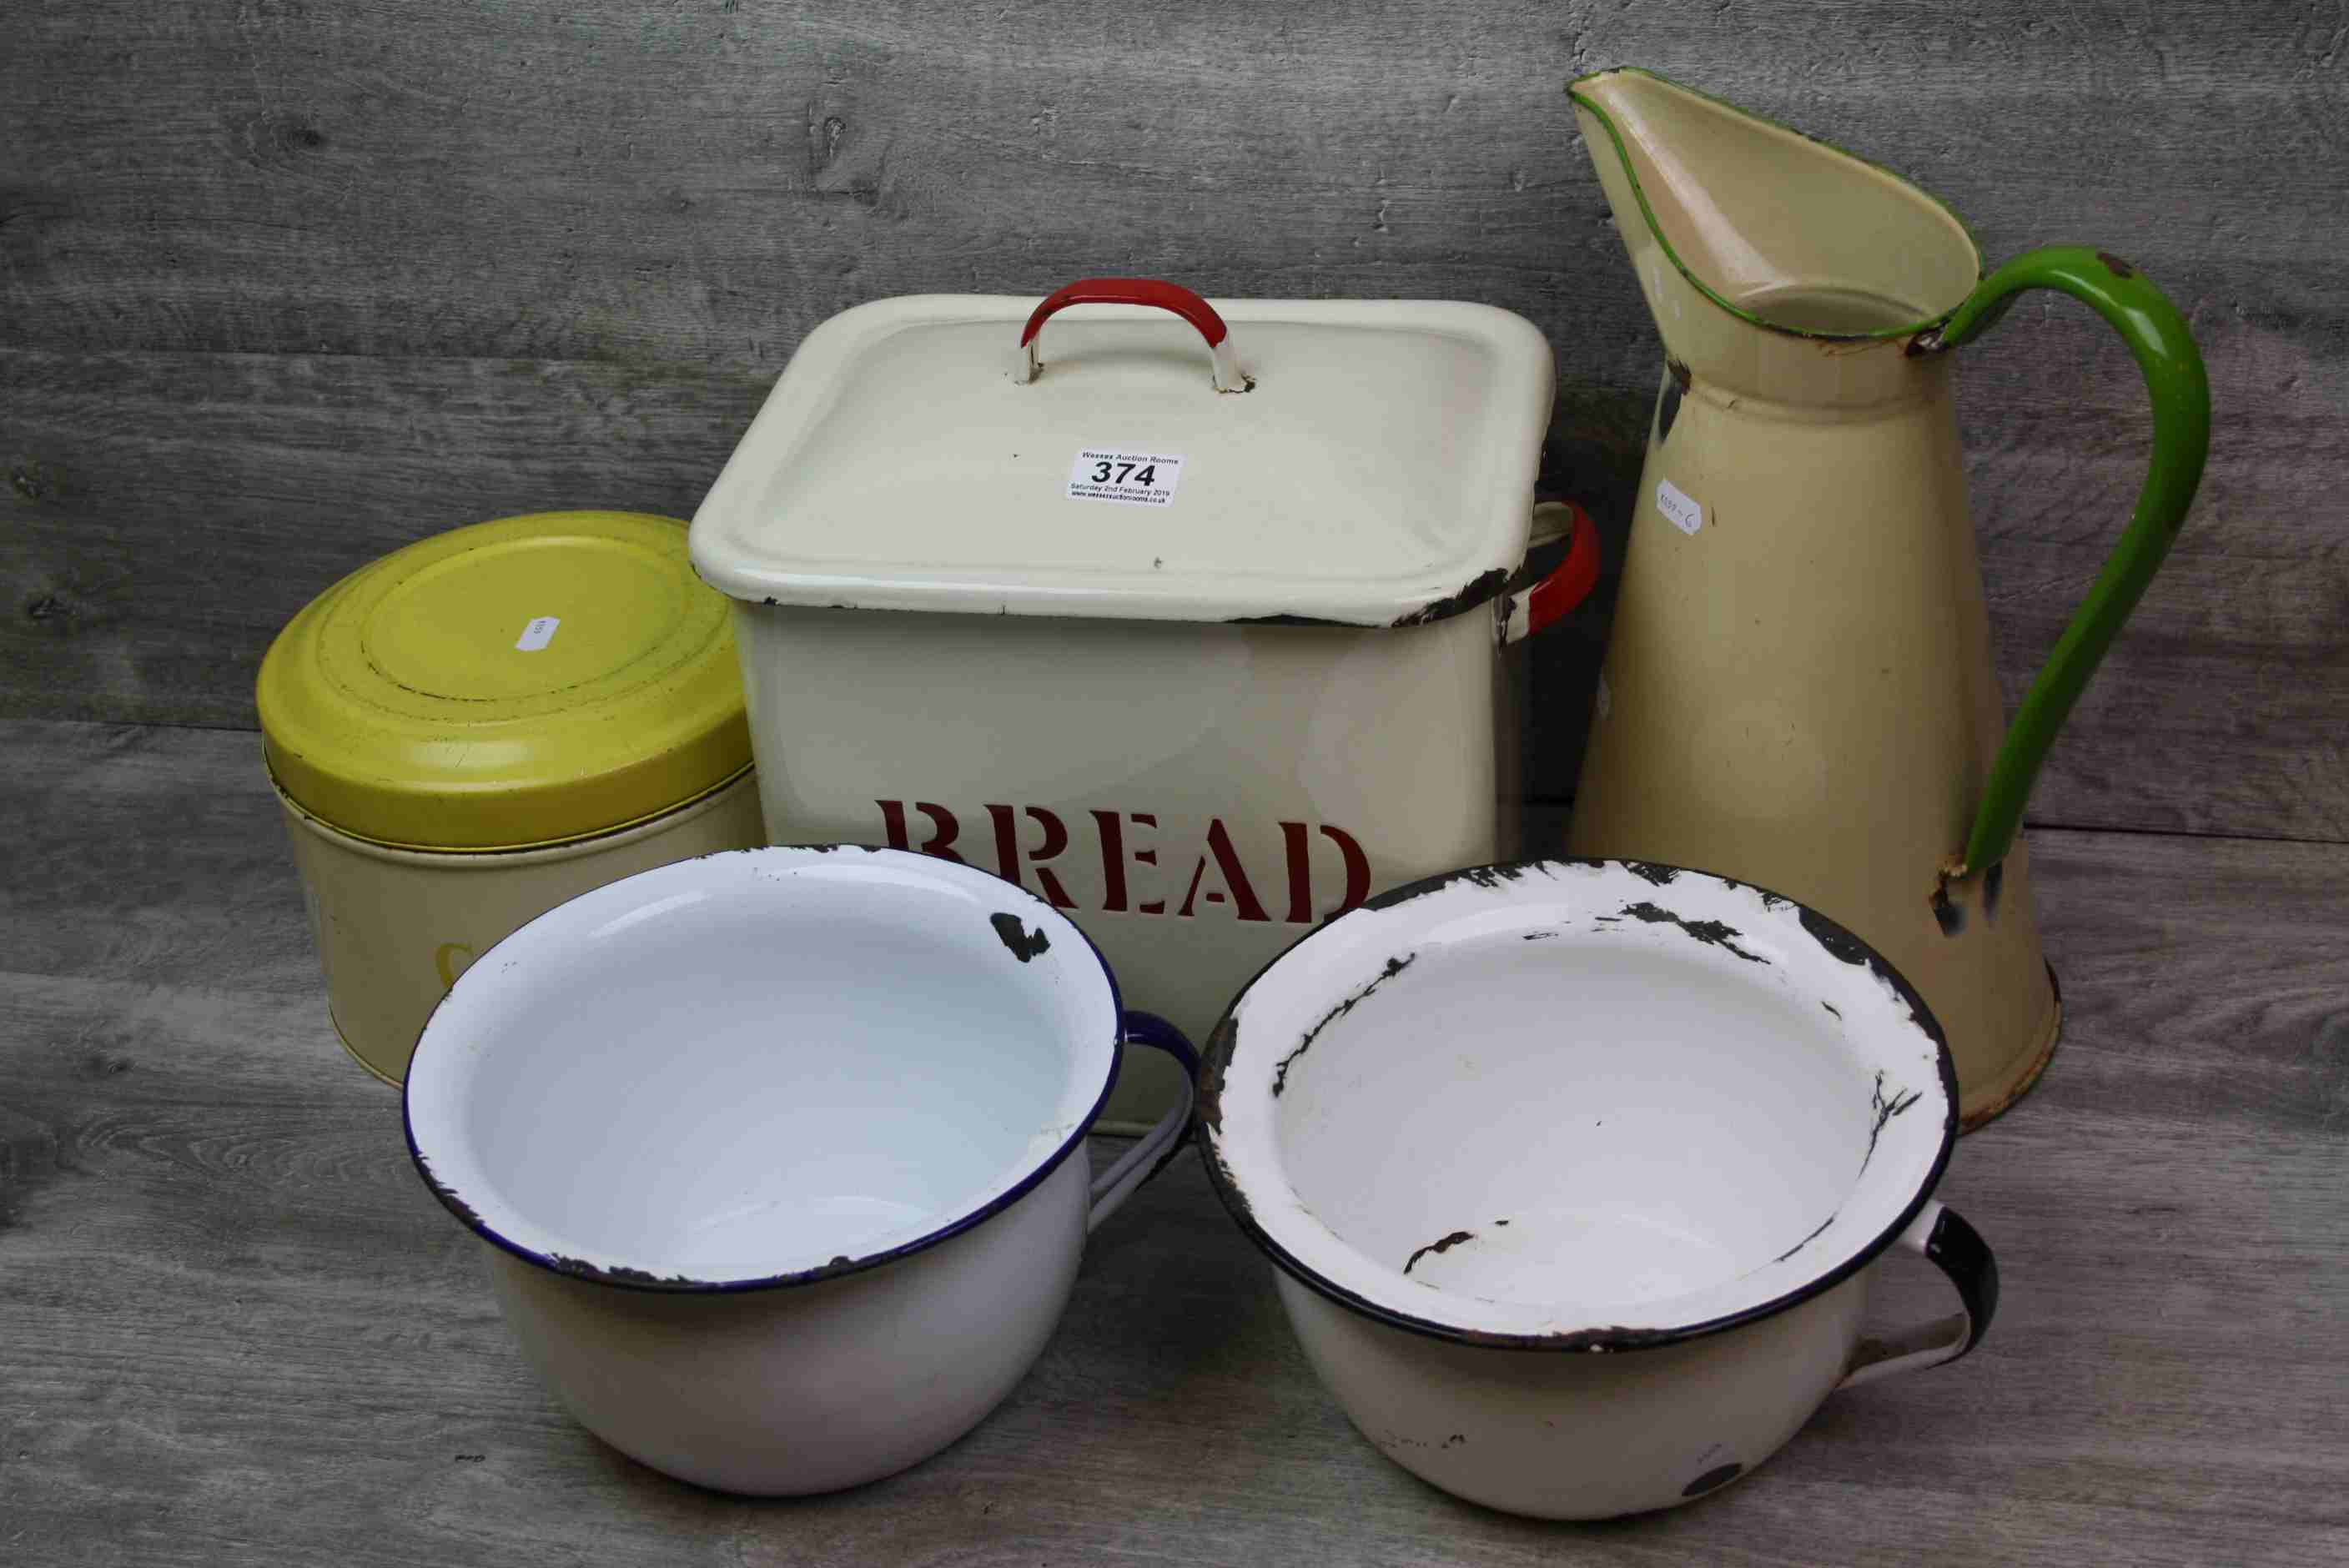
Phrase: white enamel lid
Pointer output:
(1373, 463)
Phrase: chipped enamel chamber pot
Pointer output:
(1199, 620)
(472, 729)
(1575, 1172)
(778, 1154)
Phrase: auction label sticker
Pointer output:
(1128, 477)
(1679, 509)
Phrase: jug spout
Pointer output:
(1740, 226)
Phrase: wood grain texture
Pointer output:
(284, 284)
(234, 1328)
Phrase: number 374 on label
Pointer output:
(1128, 477)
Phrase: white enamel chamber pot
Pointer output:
(780, 1152)
(1574, 1172)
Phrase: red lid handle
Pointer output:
(1153, 292)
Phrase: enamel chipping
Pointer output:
(1578, 1103)
(672, 1080)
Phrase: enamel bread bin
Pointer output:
(1188, 619)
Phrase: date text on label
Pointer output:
(1128, 477)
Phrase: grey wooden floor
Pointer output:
(234, 1329)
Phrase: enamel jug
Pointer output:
(1797, 690)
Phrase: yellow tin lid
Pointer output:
(515, 682)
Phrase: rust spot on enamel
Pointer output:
(1712, 933)
(1884, 1109)
(1395, 966)
(1441, 1245)
(1473, 592)
(1023, 944)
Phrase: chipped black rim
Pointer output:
(638, 1280)
(1215, 1058)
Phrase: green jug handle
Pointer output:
(2157, 336)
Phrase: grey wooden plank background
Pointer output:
(284, 284)
(234, 1328)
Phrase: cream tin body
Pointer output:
(396, 927)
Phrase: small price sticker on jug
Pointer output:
(1129, 478)
(537, 635)
(1680, 510)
